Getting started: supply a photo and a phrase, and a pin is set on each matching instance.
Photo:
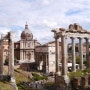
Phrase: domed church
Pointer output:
(24, 49)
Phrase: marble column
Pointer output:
(2, 59)
(25, 55)
(64, 55)
(21, 55)
(11, 57)
(81, 53)
(87, 53)
(47, 64)
(73, 55)
(57, 55)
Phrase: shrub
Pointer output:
(37, 77)
(79, 73)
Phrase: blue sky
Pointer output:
(42, 16)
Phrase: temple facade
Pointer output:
(24, 49)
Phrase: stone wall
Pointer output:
(62, 83)
(5, 77)
(81, 83)
(77, 83)
(28, 66)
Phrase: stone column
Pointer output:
(47, 63)
(64, 55)
(57, 55)
(73, 55)
(23, 44)
(1, 59)
(21, 55)
(81, 53)
(24, 55)
(87, 53)
(11, 56)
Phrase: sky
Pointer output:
(42, 16)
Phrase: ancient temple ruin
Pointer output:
(74, 31)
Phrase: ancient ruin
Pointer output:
(74, 31)
(10, 38)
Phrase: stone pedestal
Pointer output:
(63, 82)
(84, 81)
(76, 82)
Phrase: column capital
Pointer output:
(80, 38)
(86, 38)
(64, 36)
(56, 37)
(72, 37)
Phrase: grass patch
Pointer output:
(5, 86)
(79, 73)
(37, 77)
(20, 78)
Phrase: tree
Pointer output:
(77, 59)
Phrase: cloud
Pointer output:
(4, 30)
(17, 35)
(43, 15)
(46, 2)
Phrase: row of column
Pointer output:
(23, 55)
(81, 54)
(64, 54)
(26, 55)
(27, 45)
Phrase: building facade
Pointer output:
(45, 57)
(25, 48)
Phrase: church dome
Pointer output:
(26, 34)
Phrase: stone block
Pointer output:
(76, 82)
(84, 81)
